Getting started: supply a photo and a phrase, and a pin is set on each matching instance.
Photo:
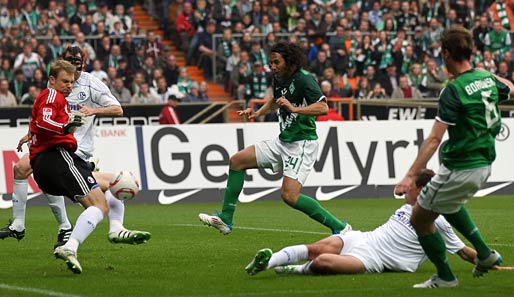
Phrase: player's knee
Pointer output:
(321, 264)
(236, 162)
(289, 197)
(21, 171)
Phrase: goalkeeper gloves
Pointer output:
(75, 120)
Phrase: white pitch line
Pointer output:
(37, 291)
(302, 231)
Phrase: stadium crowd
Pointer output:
(360, 49)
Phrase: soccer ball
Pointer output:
(124, 185)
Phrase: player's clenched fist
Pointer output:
(75, 120)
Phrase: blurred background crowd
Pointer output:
(359, 49)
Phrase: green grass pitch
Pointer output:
(185, 258)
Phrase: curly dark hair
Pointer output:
(293, 55)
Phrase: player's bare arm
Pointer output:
(107, 111)
(267, 108)
(315, 109)
(23, 140)
(426, 152)
(468, 254)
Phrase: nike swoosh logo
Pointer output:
(322, 196)
(487, 191)
(169, 199)
(244, 198)
(8, 203)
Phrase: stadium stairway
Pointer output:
(216, 91)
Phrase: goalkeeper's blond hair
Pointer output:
(61, 65)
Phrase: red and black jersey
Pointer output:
(49, 116)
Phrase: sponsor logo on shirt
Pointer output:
(47, 111)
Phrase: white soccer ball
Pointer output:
(124, 185)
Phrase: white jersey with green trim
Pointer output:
(91, 92)
(397, 245)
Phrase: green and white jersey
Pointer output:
(301, 90)
(469, 105)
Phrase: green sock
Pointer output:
(313, 209)
(465, 225)
(235, 183)
(434, 247)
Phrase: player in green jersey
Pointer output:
(299, 100)
(468, 109)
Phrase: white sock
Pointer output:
(116, 212)
(85, 225)
(305, 268)
(289, 255)
(58, 208)
(19, 203)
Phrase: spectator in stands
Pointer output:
(56, 16)
(507, 57)
(257, 54)
(55, 46)
(114, 57)
(6, 97)
(6, 71)
(184, 82)
(489, 63)
(170, 70)
(45, 54)
(100, 29)
(153, 47)
(79, 16)
(122, 17)
(377, 92)
(259, 82)
(19, 85)
(39, 80)
(206, 49)
(169, 115)
(185, 26)
(416, 78)
(119, 91)
(103, 49)
(497, 41)
(143, 95)
(232, 63)
(80, 41)
(204, 90)
(241, 76)
(194, 94)
(349, 81)
(364, 89)
(404, 91)
(316, 26)
(480, 32)
(102, 15)
(435, 79)
(503, 70)
(390, 80)
(224, 50)
(328, 91)
(30, 97)
(28, 61)
(97, 70)
(320, 64)
(139, 78)
(162, 91)
(42, 28)
(433, 37)
(112, 73)
(88, 27)
(125, 73)
(128, 50)
(116, 31)
(225, 14)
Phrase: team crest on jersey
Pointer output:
(82, 96)
(291, 88)
(90, 179)
(47, 111)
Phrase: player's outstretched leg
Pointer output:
(58, 208)
(259, 262)
(117, 232)
(223, 221)
(16, 227)
(436, 282)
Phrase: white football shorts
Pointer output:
(449, 190)
(355, 244)
(295, 159)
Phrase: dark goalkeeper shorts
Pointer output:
(60, 172)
